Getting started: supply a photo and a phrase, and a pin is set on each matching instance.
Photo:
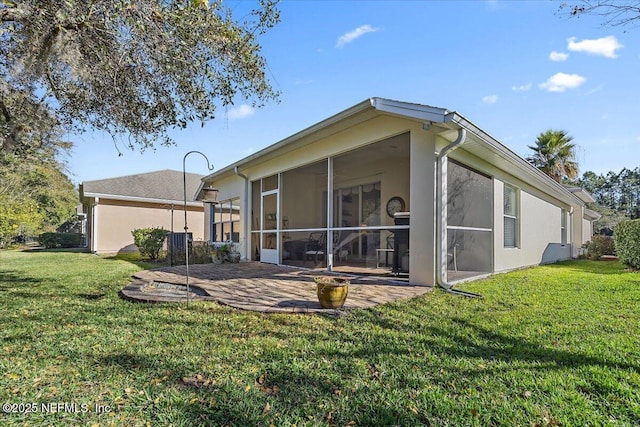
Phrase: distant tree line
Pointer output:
(617, 195)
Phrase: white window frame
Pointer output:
(563, 227)
(516, 217)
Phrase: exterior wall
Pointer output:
(539, 232)
(115, 220)
(587, 231)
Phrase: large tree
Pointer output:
(554, 153)
(132, 68)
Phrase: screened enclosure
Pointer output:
(469, 222)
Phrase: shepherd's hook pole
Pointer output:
(186, 227)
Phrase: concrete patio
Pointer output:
(265, 288)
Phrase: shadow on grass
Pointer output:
(54, 250)
(468, 340)
(139, 260)
(11, 279)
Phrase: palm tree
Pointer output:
(555, 155)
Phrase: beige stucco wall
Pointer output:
(115, 220)
(587, 231)
(539, 232)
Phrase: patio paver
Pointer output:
(261, 287)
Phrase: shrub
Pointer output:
(600, 245)
(149, 240)
(627, 238)
(60, 240)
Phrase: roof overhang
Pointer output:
(85, 196)
(591, 215)
(480, 143)
(483, 145)
(582, 194)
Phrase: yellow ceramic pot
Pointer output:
(332, 292)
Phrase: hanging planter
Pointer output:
(332, 291)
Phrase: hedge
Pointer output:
(600, 245)
(627, 238)
(60, 240)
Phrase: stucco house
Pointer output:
(115, 206)
(394, 187)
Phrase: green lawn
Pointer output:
(555, 345)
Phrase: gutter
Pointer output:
(441, 213)
(246, 221)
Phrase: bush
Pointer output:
(627, 238)
(600, 245)
(60, 240)
(149, 240)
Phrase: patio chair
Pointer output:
(315, 247)
(386, 251)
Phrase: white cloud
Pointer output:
(521, 88)
(605, 46)
(558, 56)
(354, 34)
(240, 112)
(490, 99)
(560, 82)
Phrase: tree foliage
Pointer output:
(554, 154)
(37, 195)
(134, 69)
(17, 218)
(617, 195)
(616, 13)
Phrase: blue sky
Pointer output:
(514, 68)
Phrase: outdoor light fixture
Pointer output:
(210, 192)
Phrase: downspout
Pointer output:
(441, 214)
(247, 228)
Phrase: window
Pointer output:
(225, 221)
(563, 227)
(510, 216)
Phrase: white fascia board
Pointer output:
(406, 109)
(519, 164)
(144, 199)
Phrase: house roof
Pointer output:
(478, 142)
(165, 186)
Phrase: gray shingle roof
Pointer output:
(161, 185)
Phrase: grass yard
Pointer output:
(555, 345)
